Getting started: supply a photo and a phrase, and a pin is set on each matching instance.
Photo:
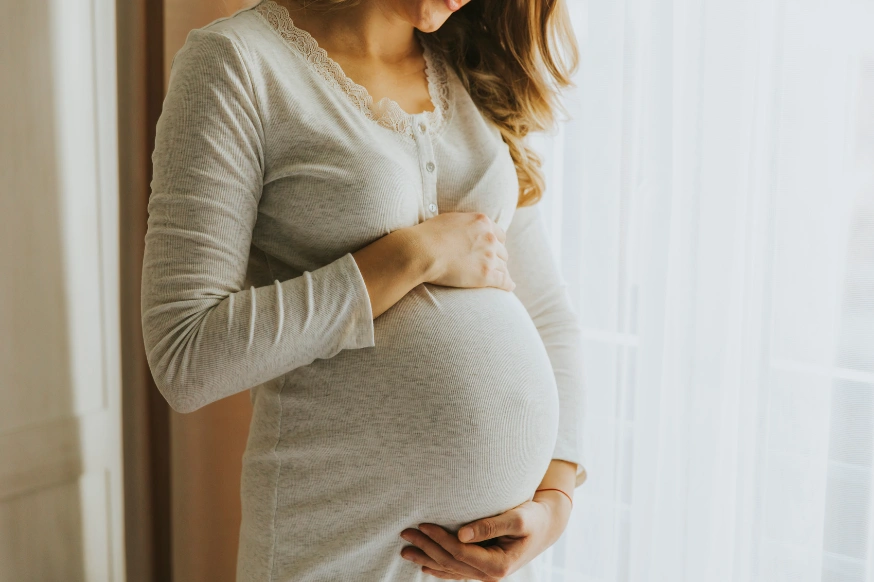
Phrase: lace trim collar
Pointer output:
(386, 112)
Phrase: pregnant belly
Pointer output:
(454, 412)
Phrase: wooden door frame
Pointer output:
(145, 414)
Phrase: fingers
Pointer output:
(496, 275)
(510, 523)
(491, 562)
(473, 251)
(502, 236)
(506, 282)
(442, 575)
(429, 566)
(495, 253)
(441, 558)
(491, 226)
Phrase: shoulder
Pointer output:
(213, 72)
(226, 43)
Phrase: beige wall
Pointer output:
(206, 445)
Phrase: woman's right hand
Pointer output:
(465, 249)
(455, 249)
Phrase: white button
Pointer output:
(429, 166)
(432, 207)
(422, 128)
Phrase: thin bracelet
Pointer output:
(560, 491)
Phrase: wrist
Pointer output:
(558, 509)
(555, 499)
(560, 474)
(417, 254)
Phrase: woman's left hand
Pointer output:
(512, 539)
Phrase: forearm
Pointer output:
(392, 266)
(560, 475)
(202, 347)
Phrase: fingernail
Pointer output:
(465, 534)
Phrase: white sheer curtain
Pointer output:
(711, 202)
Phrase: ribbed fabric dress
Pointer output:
(270, 168)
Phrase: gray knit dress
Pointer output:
(270, 168)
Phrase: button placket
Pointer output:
(427, 164)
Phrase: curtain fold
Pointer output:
(711, 199)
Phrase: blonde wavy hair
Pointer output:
(514, 58)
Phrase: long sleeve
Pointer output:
(206, 336)
(542, 290)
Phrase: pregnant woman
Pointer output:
(343, 220)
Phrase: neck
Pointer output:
(371, 29)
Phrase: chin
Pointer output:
(429, 15)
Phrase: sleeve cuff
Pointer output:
(362, 335)
(581, 471)
(564, 452)
(581, 475)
